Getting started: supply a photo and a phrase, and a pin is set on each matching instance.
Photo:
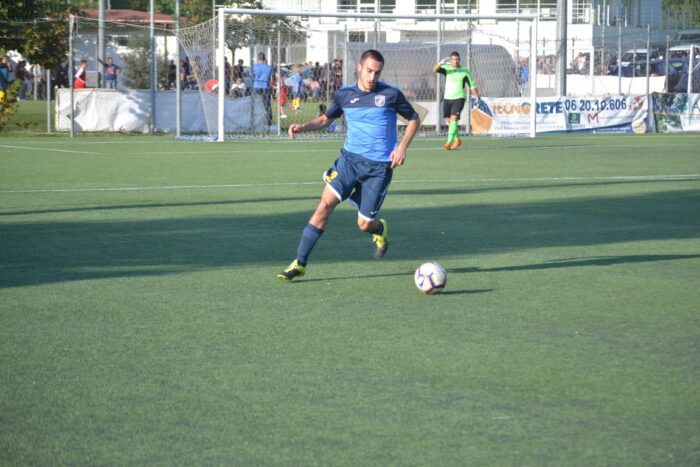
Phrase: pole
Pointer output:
(668, 44)
(280, 81)
(71, 75)
(178, 71)
(691, 65)
(619, 59)
(533, 78)
(152, 117)
(648, 57)
(438, 53)
(469, 67)
(221, 77)
(100, 41)
(48, 100)
(591, 67)
(562, 39)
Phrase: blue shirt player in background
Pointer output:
(371, 152)
(263, 75)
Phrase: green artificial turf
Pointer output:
(142, 323)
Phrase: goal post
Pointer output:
(371, 35)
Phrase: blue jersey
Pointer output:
(261, 75)
(296, 84)
(371, 119)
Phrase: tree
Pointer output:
(38, 29)
(137, 64)
(264, 28)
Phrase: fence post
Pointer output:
(178, 73)
(648, 58)
(71, 75)
(619, 59)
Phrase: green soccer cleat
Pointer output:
(294, 270)
(381, 241)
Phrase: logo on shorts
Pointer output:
(379, 101)
(330, 175)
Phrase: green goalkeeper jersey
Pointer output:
(455, 80)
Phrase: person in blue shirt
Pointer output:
(297, 88)
(5, 70)
(111, 70)
(371, 152)
(263, 75)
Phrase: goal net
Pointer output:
(307, 61)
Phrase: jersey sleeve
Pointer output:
(441, 70)
(404, 108)
(468, 80)
(335, 110)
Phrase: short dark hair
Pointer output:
(373, 54)
(454, 54)
(261, 56)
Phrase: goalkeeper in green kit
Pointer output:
(456, 78)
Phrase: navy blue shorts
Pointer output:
(362, 181)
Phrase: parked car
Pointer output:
(657, 67)
(683, 51)
(681, 66)
(639, 55)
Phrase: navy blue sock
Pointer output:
(309, 236)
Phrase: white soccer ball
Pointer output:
(430, 277)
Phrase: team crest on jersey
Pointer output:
(379, 100)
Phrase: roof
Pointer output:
(129, 16)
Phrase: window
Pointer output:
(357, 36)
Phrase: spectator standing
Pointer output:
(228, 73)
(238, 70)
(110, 73)
(5, 69)
(80, 81)
(27, 79)
(315, 88)
(185, 71)
(172, 74)
(297, 89)
(263, 74)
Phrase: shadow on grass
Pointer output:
(35, 252)
(397, 190)
(578, 262)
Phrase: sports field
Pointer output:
(141, 321)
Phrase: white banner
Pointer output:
(129, 111)
(610, 114)
(676, 112)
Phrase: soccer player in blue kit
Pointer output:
(363, 170)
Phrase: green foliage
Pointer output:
(691, 9)
(9, 105)
(264, 27)
(137, 64)
(38, 29)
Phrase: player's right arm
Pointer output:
(317, 124)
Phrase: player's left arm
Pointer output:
(469, 81)
(406, 110)
(398, 155)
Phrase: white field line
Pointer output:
(45, 149)
(622, 178)
(330, 139)
(330, 151)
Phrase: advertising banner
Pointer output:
(609, 114)
(676, 112)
